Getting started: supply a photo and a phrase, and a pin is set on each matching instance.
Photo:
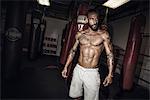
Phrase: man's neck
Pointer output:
(92, 31)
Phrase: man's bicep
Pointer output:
(75, 45)
(77, 41)
(74, 48)
(108, 45)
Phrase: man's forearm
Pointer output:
(70, 58)
(110, 64)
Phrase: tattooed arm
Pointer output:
(71, 56)
(72, 53)
(109, 52)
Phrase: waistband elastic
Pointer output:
(86, 68)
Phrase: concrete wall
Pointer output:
(120, 31)
(144, 61)
(55, 26)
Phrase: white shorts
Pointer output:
(87, 79)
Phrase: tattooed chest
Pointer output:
(90, 40)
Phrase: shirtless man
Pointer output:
(85, 75)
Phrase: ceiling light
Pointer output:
(115, 3)
(44, 2)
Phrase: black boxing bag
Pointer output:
(14, 28)
(34, 38)
(41, 37)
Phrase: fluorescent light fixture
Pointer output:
(115, 3)
(44, 2)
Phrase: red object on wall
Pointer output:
(70, 39)
(68, 42)
(83, 9)
(132, 50)
(70, 34)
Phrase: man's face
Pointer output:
(93, 21)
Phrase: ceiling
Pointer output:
(61, 9)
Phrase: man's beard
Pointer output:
(94, 27)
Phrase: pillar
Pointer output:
(14, 28)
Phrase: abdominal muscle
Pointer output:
(89, 56)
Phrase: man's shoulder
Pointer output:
(84, 32)
(81, 33)
(104, 34)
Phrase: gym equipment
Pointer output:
(15, 23)
(132, 50)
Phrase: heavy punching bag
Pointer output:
(80, 24)
(41, 37)
(132, 50)
(15, 23)
(34, 37)
(82, 16)
(66, 40)
(76, 25)
(72, 29)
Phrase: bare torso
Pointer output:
(91, 46)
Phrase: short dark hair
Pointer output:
(92, 11)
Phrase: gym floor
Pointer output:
(41, 79)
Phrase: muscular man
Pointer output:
(85, 75)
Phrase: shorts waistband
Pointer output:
(86, 68)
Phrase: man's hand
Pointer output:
(107, 81)
(64, 73)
